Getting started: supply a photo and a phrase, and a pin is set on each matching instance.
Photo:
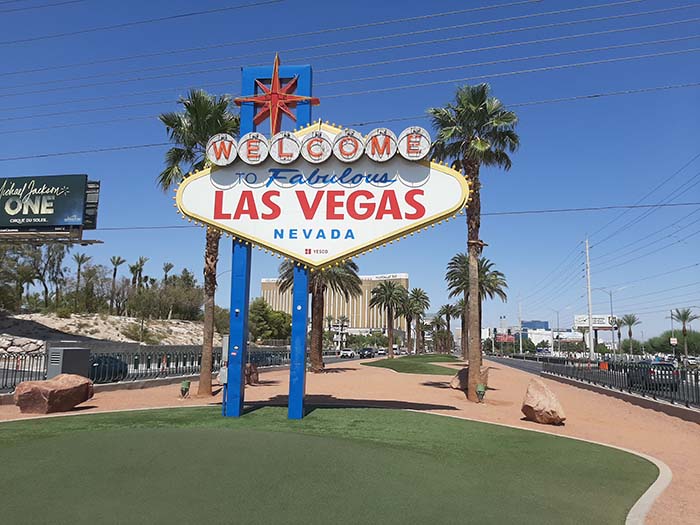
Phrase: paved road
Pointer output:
(533, 367)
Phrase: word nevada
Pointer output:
(317, 146)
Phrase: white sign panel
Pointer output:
(320, 212)
(600, 322)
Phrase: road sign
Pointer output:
(674, 341)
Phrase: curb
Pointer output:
(639, 511)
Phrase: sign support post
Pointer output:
(234, 393)
(297, 368)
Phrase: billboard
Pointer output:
(43, 202)
(322, 194)
(600, 322)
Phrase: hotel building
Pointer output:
(356, 309)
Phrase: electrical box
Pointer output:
(68, 360)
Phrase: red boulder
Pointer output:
(59, 394)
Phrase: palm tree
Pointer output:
(140, 264)
(629, 320)
(134, 271)
(388, 295)
(685, 316)
(116, 261)
(437, 328)
(476, 130)
(329, 322)
(204, 115)
(342, 279)
(407, 310)
(80, 259)
(167, 267)
(461, 309)
(421, 302)
(492, 284)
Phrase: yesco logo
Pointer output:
(322, 194)
(317, 146)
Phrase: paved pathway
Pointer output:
(590, 415)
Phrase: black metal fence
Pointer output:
(134, 362)
(658, 382)
(15, 368)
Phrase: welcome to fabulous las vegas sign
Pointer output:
(322, 194)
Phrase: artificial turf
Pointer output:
(418, 364)
(191, 465)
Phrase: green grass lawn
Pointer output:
(418, 364)
(191, 465)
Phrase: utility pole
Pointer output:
(612, 325)
(591, 353)
(558, 332)
(520, 327)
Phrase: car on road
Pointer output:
(381, 351)
(366, 353)
(655, 375)
(347, 353)
(107, 369)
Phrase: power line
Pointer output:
(650, 192)
(624, 300)
(547, 101)
(661, 248)
(654, 276)
(512, 73)
(541, 102)
(622, 255)
(388, 75)
(647, 236)
(403, 45)
(42, 6)
(271, 38)
(674, 194)
(512, 212)
(392, 61)
(509, 60)
(546, 277)
(136, 23)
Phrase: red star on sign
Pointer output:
(276, 100)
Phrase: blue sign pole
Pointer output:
(234, 392)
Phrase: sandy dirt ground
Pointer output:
(589, 415)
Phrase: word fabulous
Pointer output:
(317, 146)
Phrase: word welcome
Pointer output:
(317, 146)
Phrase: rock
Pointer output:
(15, 349)
(541, 405)
(251, 374)
(59, 394)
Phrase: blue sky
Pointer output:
(599, 152)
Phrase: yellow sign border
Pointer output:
(381, 241)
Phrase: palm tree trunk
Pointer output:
(481, 308)
(629, 336)
(316, 346)
(685, 343)
(474, 246)
(113, 290)
(77, 290)
(390, 331)
(464, 343)
(408, 334)
(211, 258)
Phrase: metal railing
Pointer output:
(657, 382)
(134, 363)
(15, 368)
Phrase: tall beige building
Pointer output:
(356, 309)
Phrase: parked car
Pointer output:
(107, 369)
(654, 376)
(366, 353)
(381, 351)
(347, 353)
